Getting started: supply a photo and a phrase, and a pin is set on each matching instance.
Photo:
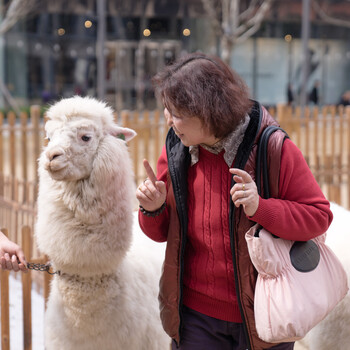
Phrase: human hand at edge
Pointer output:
(11, 255)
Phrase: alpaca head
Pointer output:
(75, 128)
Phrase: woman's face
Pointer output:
(190, 130)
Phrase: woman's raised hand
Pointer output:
(151, 193)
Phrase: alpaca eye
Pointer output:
(86, 138)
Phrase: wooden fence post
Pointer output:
(11, 117)
(306, 137)
(24, 145)
(280, 115)
(24, 165)
(2, 184)
(134, 122)
(27, 287)
(347, 110)
(296, 116)
(336, 153)
(147, 128)
(5, 308)
(1, 143)
(156, 118)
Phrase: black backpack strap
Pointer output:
(304, 256)
(261, 160)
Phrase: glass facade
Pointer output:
(51, 53)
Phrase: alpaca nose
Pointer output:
(54, 153)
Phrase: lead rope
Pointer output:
(42, 267)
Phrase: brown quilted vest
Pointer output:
(171, 279)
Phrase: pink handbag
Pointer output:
(298, 283)
(288, 302)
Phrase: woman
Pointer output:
(204, 199)
(11, 255)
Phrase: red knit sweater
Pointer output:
(208, 277)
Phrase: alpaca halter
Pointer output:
(47, 268)
(102, 277)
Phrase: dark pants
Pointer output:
(201, 332)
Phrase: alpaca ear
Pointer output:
(125, 134)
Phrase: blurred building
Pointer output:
(52, 52)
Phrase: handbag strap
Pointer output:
(261, 160)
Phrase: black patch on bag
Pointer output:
(257, 232)
(304, 256)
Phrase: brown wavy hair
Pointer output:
(203, 86)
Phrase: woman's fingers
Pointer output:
(14, 263)
(3, 262)
(9, 263)
(244, 184)
(241, 192)
(150, 173)
(149, 190)
(241, 175)
(244, 192)
(22, 260)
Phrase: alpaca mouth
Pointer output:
(55, 166)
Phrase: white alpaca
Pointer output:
(106, 294)
(333, 333)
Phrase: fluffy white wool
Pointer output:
(333, 333)
(85, 107)
(106, 295)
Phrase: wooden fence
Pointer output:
(151, 133)
(26, 294)
(323, 135)
(21, 139)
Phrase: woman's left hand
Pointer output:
(244, 192)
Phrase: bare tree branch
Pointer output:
(17, 9)
(212, 12)
(249, 11)
(230, 10)
(244, 32)
(11, 101)
(327, 18)
(234, 25)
